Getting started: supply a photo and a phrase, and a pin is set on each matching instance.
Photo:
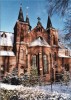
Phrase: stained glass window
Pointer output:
(45, 64)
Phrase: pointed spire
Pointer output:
(27, 20)
(20, 16)
(49, 24)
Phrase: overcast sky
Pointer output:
(9, 10)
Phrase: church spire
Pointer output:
(20, 16)
(27, 20)
(49, 24)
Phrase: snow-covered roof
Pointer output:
(61, 45)
(63, 56)
(7, 53)
(6, 40)
(39, 42)
(64, 53)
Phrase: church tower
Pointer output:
(21, 28)
(20, 32)
(53, 41)
(52, 33)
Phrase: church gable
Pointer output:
(39, 42)
(38, 31)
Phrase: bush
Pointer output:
(15, 81)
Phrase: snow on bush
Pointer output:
(35, 93)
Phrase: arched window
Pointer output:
(67, 67)
(34, 60)
(63, 62)
(2, 70)
(22, 67)
(55, 56)
(45, 64)
(22, 35)
(54, 42)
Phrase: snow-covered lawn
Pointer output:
(41, 92)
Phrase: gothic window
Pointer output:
(54, 42)
(67, 67)
(2, 69)
(22, 35)
(49, 38)
(22, 67)
(55, 56)
(50, 55)
(45, 64)
(34, 60)
(39, 29)
(62, 61)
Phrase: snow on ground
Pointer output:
(57, 89)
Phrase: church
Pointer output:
(37, 48)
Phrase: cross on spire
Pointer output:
(20, 5)
(39, 19)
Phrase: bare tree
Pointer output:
(58, 6)
(62, 8)
(68, 24)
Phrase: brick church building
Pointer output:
(27, 49)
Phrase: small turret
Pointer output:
(27, 20)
